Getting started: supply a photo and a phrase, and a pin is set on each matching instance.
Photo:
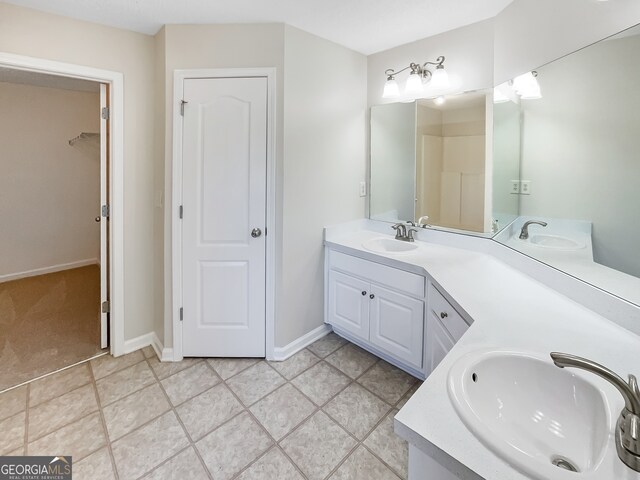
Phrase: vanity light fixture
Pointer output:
(524, 87)
(438, 78)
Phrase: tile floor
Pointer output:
(325, 413)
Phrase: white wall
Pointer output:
(581, 144)
(325, 100)
(531, 33)
(49, 190)
(29, 32)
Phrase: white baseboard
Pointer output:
(167, 355)
(282, 353)
(52, 269)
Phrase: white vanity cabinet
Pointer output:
(379, 307)
(445, 326)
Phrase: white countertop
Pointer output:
(509, 310)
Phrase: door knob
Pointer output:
(256, 232)
(97, 219)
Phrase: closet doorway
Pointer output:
(54, 209)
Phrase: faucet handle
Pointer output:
(633, 383)
(410, 233)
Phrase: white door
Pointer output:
(349, 304)
(104, 217)
(397, 324)
(224, 217)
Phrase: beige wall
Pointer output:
(28, 32)
(49, 190)
(325, 100)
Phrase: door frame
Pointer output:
(115, 80)
(179, 77)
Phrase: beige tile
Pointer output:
(255, 382)
(281, 411)
(96, 466)
(209, 410)
(184, 466)
(233, 446)
(392, 449)
(362, 465)
(12, 402)
(388, 382)
(137, 409)
(166, 369)
(190, 382)
(321, 382)
(108, 364)
(318, 446)
(228, 367)
(149, 352)
(295, 364)
(77, 439)
(327, 345)
(56, 413)
(272, 466)
(19, 452)
(149, 446)
(357, 410)
(352, 360)
(12, 436)
(124, 382)
(408, 395)
(58, 384)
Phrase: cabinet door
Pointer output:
(438, 343)
(349, 304)
(397, 324)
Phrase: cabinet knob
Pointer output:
(364, 293)
(372, 296)
(444, 314)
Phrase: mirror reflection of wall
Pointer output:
(428, 160)
(581, 164)
(506, 163)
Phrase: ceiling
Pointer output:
(366, 26)
(38, 79)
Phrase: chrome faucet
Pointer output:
(524, 232)
(628, 425)
(404, 234)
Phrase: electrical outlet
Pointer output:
(525, 187)
(363, 189)
(515, 187)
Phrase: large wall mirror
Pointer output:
(428, 162)
(570, 161)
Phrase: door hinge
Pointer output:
(180, 211)
(105, 211)
(182, 104)
(105, 113)
(106, 307)
(181, 313)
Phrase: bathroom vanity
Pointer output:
(493, 405)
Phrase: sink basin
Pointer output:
(389, 245)
(545, 421)
(556, 242)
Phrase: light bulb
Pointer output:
(533, 93)
(440, 78)
(439, 100)
(391, 89)
(413, 87)
(498, 96)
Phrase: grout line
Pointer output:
(104, 424)
(25, 449)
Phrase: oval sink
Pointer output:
(556, 242)
(388, 245)
(545, 421)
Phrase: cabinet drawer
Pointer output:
(400, 280)
(446, 314)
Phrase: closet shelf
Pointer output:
(84, 136)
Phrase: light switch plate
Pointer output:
(515, 187)
(525, 187)
(363, 189)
